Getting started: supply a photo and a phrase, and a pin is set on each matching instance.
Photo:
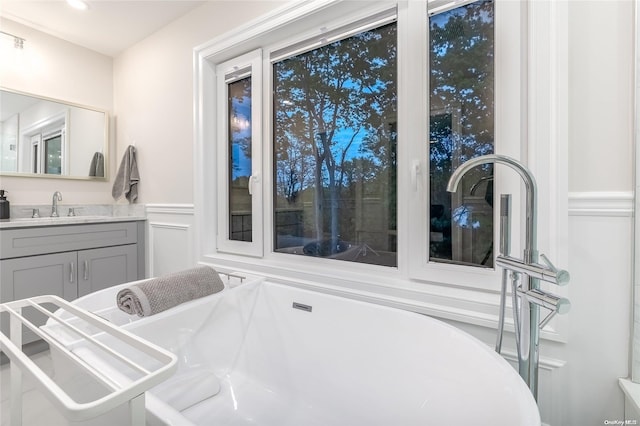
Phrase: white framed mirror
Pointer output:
(44, 137)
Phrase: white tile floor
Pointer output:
(37, 410)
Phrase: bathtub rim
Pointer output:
(324, 291)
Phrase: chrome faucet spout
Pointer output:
(57, 196)
(530, 254)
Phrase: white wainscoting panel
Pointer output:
(170, 237)
(597, 351)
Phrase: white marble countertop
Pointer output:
(64, 220)
(85, 214)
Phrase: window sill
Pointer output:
(384, 286)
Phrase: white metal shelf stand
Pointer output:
(132, 392)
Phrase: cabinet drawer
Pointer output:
(51, 239)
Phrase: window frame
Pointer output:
(508, 109)
(35, 137)
(347, 26)
(251, 61)
(460, 293)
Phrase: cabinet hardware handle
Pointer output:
(86, 270)
(71, 271)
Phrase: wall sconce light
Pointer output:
(18, 42)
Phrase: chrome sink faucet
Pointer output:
(531, 296)
(57, 196)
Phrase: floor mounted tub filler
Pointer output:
(270, 354)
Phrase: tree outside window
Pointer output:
(335, 149)
(461, 64)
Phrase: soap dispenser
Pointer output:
(5, 212)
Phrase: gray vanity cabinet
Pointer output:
(106, 267)
(68, 261)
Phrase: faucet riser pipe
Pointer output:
(57, 196)
(503, 303)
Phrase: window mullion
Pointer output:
(413, 182)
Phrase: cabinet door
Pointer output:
(106, 267)
(34, 276)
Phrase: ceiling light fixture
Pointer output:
(78, 4)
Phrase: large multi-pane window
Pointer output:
(362, 111)
(337, 140)
(461, 126)
(334, 144)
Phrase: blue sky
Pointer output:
(241, 164)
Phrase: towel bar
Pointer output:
(164, 362)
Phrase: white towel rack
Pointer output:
(165, 362)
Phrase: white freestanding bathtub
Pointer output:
(286, 356)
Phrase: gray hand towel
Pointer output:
(159, 294)
(96, 168)
(126, 181)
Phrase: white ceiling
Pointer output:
(108, 26)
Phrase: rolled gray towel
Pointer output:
(159, 294)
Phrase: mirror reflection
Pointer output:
(49, 138)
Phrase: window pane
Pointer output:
(461, 127)
(239, 107)
(53, 155)
(35, 157)
(335, 150)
